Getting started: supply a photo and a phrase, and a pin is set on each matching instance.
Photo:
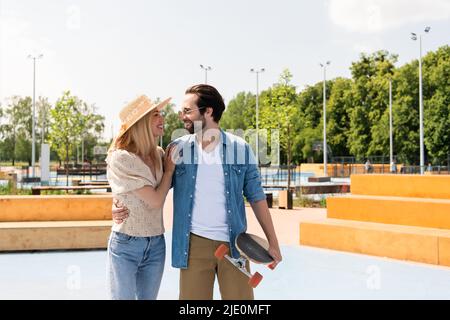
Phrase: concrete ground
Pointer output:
(305, 273)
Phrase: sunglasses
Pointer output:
(187, 111)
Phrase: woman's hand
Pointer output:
(169, 162)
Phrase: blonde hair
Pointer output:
(139, 139)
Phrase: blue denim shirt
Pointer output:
(241, 179)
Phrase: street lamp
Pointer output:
(391, 140)
(257, 71)
(414, 37)
(324, 66)
(206, 68)
(33, 150)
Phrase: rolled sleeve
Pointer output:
(253, 190)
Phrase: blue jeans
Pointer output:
(136, 266)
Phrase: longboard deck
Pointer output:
(253, 248)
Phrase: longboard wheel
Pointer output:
(221, 251)
(255, 280)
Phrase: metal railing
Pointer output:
(278, 175)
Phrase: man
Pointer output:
(214, 171)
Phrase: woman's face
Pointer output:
(157, 123)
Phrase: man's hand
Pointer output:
(275, 252)
(119, 212)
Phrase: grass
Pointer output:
(20, 164)
(304, 202)
(6, 190)
(17, 164)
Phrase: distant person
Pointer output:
(136, 247)
(368, 166)
(393, 167)
(86, 164)
(429, 168)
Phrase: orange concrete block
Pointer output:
(398, 242)
(419, 186)
(55, 208)
(422, 212)
(19, 236)
(444, 251)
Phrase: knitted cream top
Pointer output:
(127, 172)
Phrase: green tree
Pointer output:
(172, 123)
(405, 113)
(338, 116)
(436, 80)
(240, 112)
(369, 97)
(17, 130)
(308, 123)
(67, 123)
(278, 112)
(92, 126)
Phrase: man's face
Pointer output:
(190, 113)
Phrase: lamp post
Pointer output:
(391, 141)
(33, 147)
(257, 71)
(414, 37)
(324, 66)
(206, 68)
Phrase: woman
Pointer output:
(136, 248)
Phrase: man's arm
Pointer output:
(254, 193)
(119, 211)
(262, 214)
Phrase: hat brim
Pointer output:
(158, 107)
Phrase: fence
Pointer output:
(278, 175)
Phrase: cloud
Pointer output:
(372, 16)
(16, 38)
(368, 46)
(17, 41)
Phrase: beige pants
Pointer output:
(197, 281)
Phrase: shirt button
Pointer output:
(228, 192)
(226, 173)
(193, 177)
(185, 253)
(229, 211)
(191, 195)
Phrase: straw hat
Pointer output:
(136, 110)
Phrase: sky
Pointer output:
(107, 52)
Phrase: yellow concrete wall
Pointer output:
(398, 242)
(55, 208)
(432, 213)
(18, 236)
(444, 251)
(316, 168)
(421, 186)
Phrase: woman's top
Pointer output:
(126, 172)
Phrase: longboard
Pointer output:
(252, 248)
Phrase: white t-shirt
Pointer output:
(209, 215)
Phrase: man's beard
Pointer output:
(193, 126)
